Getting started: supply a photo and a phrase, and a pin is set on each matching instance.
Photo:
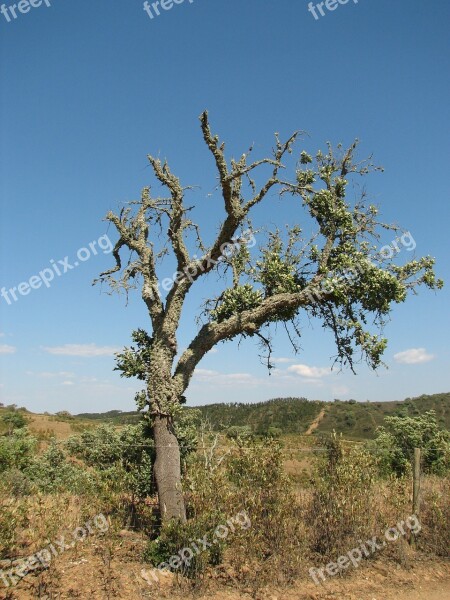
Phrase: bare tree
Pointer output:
(334, 273)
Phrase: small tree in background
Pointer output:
(396, 441)
(323, 267)
(14, 420)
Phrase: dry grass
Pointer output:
(276, 551)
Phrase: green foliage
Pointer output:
(236, 432)
(350, 419)
(186, 430)
(250, 478)
(107, 444)
(277, 270)
(51, 472)
(176, 536)
(64, 415)
(354, 288)
(347, 283)
(401, 434)
(16, 450)
(128, 452)
(235, 301)
(132, 361)
(109, 449)
(14, 420)
(295, 415)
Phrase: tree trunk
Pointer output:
(168, 471)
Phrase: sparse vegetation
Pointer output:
(350, 492)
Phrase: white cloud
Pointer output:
(5, 349)
(67, 383)
(413, 356)
(281, 360)
(2, 334)
(89, 380)
(310, 372)
(86, 350)
(51, 374)
(215, 378)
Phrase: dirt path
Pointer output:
(315, 424)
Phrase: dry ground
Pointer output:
(44, 424)
(102, 569)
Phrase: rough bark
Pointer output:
(167, 470)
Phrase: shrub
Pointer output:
(396, 441)
(176, 537)
(251, 480)
(108, 448)
(435, 516)
(51, 472)
(129, 450)
(340, 511)
(236, 432)
(14, 420)
(16, 450)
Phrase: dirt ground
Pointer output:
(381, 582)
(99, 570)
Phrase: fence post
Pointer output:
(417, 475)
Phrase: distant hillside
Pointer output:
(112, 416)
(359, 420)
(286, 416)
(290, 415)
(356, 420)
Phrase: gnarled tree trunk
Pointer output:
(167, 470)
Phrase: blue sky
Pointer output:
(88, 89)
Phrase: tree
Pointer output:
(14, 420)
(396, 441)
(330, 274)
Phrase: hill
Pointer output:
(284, 416)
(355, 420)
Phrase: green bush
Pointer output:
(126, 454)
(110, 449)
(182, 539)
(16, 450)
(236, 432)
(51, 472)
(14, 420)
(396, 441)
